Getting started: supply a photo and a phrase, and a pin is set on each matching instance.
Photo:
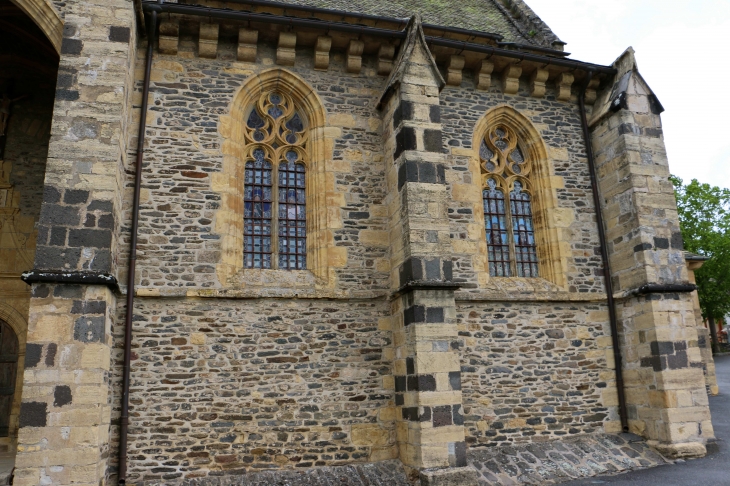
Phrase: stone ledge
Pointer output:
(64, 277)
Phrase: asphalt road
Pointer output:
(711, 470)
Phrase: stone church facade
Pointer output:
(245, 235)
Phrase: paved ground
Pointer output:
(7, 461)
(711, 470)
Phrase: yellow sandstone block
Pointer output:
(370, 435)
(337, 257)
(465, 192)
(342, 120)
(462, 151)
(197, 338)
(388, 414)
(51, 328)
(375, 238)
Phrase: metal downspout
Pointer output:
(124, 419)
(604, 255)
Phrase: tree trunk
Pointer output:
(713, 334)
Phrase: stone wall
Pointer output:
(216, 375)
(179, 244)
(536, 371)
(220, 386)
(558, 124)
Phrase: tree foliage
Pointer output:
(704, 216)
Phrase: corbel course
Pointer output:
(563, 86)
(537, 83)
(511, 79)
(453, 75)
(354, 56)
(385, 58)
(286, 53)
(208, 41)
(484, 75)
(322, 53)
(169, 37)
(591, 91)
(247, 44)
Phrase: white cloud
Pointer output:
(681, 48)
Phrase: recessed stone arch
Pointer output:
(16, 320)
(322, 200)
(19, 324)
(551, 247)
(45, 17)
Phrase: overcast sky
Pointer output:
(683, 51)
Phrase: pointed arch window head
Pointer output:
(275, 230)
(508, 220)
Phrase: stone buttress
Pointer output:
(65, 414)
(663, 371)
(430, 427)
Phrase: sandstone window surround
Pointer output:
(518, 177)
(314, 147)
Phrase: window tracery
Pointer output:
(511, 245)
(275, 213)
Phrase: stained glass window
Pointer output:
(511, 245)
(275, 229)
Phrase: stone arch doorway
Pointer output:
(9, 352)
(45, 17)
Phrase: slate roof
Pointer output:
(511, 18)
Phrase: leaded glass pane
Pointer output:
(292, 214)
(258, 205)
(484, 152)
(295, 124)
(495, 223)
(523, 232)
(255, 120)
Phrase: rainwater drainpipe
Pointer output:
(124, 419)
(604, 256)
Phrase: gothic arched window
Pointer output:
(509, 226)
(275, 225)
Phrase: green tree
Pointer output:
(704, 216)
